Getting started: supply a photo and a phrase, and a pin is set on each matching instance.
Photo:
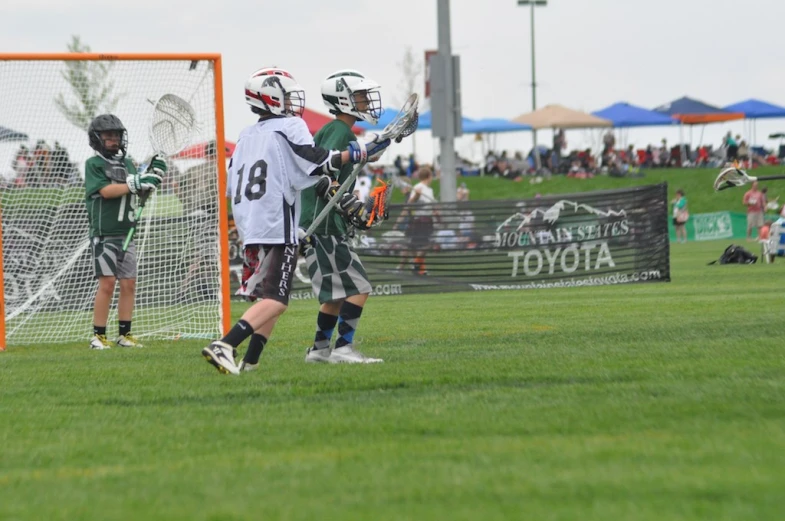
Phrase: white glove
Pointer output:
(143, 182)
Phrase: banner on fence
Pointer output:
(585, 239)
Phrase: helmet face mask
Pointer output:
(349, 92)
(275, 91)
(104, 129)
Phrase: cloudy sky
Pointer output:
(590, 53)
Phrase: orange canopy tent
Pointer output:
(693, 112)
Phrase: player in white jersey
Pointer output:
(274, 160)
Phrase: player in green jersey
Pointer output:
(112, 185)
(337, 275)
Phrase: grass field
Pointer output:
(658, 401)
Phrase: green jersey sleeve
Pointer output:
(95, 176)
(336, 135)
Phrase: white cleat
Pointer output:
(128, 341)
(219, 354)
(244, 367)
(348, 355)
(318, 355)
(100, 342)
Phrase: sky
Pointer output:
(589, 53)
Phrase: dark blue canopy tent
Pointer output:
(690, 111)
(624, 115)
(693, 112)
(756, 109)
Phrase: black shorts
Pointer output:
(268, 270)
(420, 230)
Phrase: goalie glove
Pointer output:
(142, 182)
(157, 166)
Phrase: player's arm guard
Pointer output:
(332, 167)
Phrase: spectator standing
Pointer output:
(754, 201)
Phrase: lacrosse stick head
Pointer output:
(730, 178)
(405, 122)
(172, 124)
(377, 205)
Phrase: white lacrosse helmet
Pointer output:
(276, 91)
(350, 92)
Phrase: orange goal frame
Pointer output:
(223, 217)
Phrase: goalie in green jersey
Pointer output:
(112, 186)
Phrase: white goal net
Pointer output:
(49, 281)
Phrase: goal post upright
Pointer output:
(221, 255)
(223, 210)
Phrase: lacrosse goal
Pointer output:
(182, 245)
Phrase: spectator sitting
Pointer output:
(608, 141)
(413, 166)
(41, 169)
(21, 165)
(490, 163)
(398, 163)
(765, 230)
(743, 153)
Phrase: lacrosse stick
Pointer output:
(172, 124)
(403, 124)
(732, 177)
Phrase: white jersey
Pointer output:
(426, 197)
(274, 160)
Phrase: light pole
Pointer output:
(533, 4)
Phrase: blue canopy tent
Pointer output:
(694, 112)
(425, 122)
(493, 126)
(387, 115)
(624, 115)
(755, 109)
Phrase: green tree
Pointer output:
(91, 87)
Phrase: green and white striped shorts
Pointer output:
(108, 260)
(335, 269)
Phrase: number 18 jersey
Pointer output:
(273, 161)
